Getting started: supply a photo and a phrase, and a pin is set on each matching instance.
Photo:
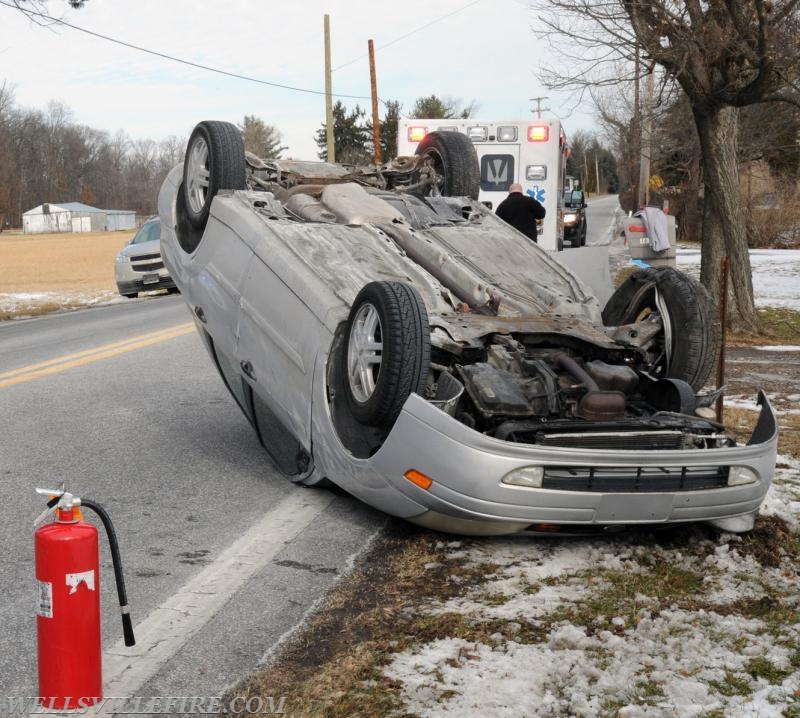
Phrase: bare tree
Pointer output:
(7, 164)
(724, 56)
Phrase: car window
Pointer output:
(573, 198)
(148, 232)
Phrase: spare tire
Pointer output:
(692, 329)
(386, 351)
(454, 158)
(214, 160)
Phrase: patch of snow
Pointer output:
(646, 660)
(679, 655)
(779, 348)
(776, 274)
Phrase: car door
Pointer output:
(278, 341)
(220, 263)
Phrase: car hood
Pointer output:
(134, 250)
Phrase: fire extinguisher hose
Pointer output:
(127, 626)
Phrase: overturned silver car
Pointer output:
(383, 330)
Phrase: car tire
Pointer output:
(582, 242)
(693, 325)
(386, 351)
(214, 160)
(454, 157)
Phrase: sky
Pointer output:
(473, 50)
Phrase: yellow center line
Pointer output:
(93, 350)
(105, 351)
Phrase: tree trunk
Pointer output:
(724, 229)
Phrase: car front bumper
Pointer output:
(467, 494)
(129, 282)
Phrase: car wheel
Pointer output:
(454, 158)
(386, 351)
(691, 337)
(214, 161)
(582, 242)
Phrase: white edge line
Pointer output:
(169, 626)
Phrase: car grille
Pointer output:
(631, 440)
(147, 263)
(640, 479)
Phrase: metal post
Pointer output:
(376, 122)
(331, 150)
(723, 317)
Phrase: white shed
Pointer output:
(75, 217)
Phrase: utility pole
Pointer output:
(376, 123)
(328, 95)
(585, 172)
(636, 132)
(647, 140)
(539, 109)
(597, 173)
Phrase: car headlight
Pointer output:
(528, 476)
(570, 218)
(739, 475)
(123, 258)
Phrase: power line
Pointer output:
(408, 34)
(184, 62)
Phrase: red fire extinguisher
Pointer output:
(68, 603)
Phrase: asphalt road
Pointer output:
(123, 405)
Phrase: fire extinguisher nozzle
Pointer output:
(127, 628)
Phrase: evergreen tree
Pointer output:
(445, 107)
(260, 138)
(388, 128)
(351, 140)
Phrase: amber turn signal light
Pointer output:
(418, 478)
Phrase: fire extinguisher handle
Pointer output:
(127, 626)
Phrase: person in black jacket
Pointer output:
(520, 211)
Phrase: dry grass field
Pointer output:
(73, 263)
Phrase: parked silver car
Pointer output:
(139, 267)
(381, 329)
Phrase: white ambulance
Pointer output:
(530, 152)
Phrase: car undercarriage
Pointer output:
(383, 330)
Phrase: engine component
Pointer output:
(672, 395)
(496, 392)
(613, 376)
(596, 404)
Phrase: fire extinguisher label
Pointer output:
(44, 600)
(76, 579)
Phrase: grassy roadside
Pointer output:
(419, 593)
(48, 273)
(780, 326)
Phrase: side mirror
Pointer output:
(584, 205)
